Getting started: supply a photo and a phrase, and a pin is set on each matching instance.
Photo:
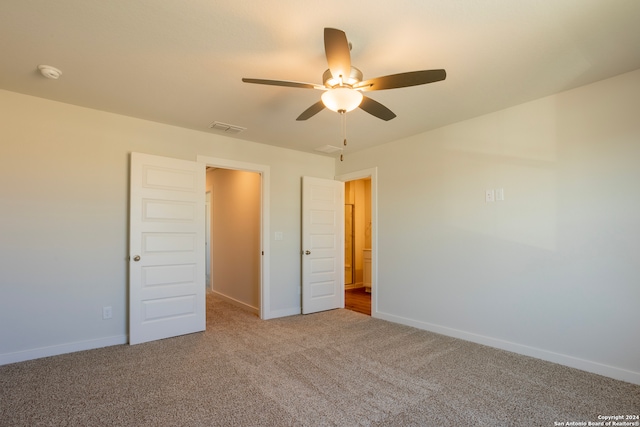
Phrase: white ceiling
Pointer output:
(181, 62)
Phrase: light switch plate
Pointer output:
(489, 196)
(279, 235)
(499, 194)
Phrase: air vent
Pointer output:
(329, 149)
(226, 128)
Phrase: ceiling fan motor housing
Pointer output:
(355, 76)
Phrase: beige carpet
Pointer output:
(337, 368)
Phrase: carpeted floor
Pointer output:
(336, 368)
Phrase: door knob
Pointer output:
(307, 252)
(136, 258)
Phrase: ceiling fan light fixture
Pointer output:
(342, 99)
(343, 82)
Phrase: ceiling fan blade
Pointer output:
(286, 83)
(311, 111)
(336, 48)
(376, 109)
(413, 78)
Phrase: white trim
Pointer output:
(373, 174)
(549, 356)
(56, 350)
(237, 303)
(264, 171)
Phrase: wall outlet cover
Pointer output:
(107, 313)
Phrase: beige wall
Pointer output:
(551, 271)
(236, 235)
(64, 191)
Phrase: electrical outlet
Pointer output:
(107, 312)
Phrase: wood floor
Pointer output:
(358, 300)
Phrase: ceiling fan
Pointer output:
(343, 84)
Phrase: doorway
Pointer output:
(358, 244)
(234, 236)
(167, 244)
(260, 250)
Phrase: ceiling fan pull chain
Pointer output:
(344, 127)
(343, 118)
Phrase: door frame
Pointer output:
(264, 171)
(373, 174)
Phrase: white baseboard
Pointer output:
(55, 350)
(562, 359)
(237, 303)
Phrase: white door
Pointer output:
(166, 244)
(322, 244)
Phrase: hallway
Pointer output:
(358, 300)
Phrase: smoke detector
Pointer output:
(49, 71)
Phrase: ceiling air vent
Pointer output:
(226, 128)
(329, 149)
